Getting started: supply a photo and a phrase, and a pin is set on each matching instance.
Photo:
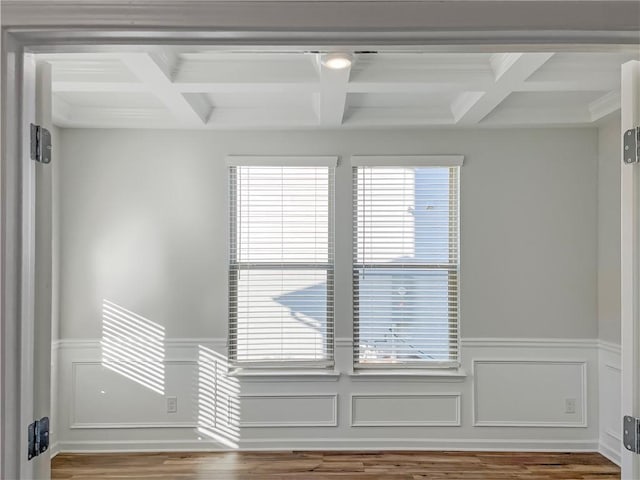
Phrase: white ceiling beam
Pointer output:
(236, 87)
(149, 117)
(69, 116)
(108, 87)
(249, 87)
(61, 110)
(332, 99)
(590, 84)
(156, 71)
(511, 71)
(546, 116)
(605, 105)
(415, 87)
(397, 116)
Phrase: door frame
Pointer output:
(630, 264)
(590, 32)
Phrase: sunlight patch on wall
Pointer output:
(133, 346)
(218, 399)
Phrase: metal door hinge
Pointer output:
(631, 145)
(40, 144)
(631, 433)
(38, 437)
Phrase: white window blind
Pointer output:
(405, 262)
(281, 261)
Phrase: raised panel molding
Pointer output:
(76, 425)
(331, 421)
(609, 386)
(581, 422)
(454, 421)
(409, 403)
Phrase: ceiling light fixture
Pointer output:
(337, 61)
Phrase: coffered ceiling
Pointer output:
(201, 89)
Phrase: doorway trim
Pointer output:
(33, 29)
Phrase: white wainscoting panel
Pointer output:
(278, 410)
(102, 398)
(610, 376)
(529, 393)
(515, 384)
(406, 410)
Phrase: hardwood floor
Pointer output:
(334, 466)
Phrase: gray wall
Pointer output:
(609, 163)
(143, 224)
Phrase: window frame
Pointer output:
(454, 164)
(235, 265)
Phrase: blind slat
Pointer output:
(405, 262)
(281, 261)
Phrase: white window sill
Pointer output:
(275, 375)
(451, 374)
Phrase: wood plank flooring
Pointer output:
(335, 466)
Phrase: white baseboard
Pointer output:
(272, 444)
(610, 454)
(54, 449)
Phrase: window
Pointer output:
(281, 261)
(405, 261)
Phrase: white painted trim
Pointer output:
(275, 375)
(346, 342)
(630, 263)
(584, 406)
(562, 343)
(614, 435)
(27, 268)
(155, 70)
(407, 160)
(454, 374)
(611, 347)
(604, 105)
(331, 423)
(330, 103)
(74, 425)
(615, 368)
(362, 22)
(282, 161)
(130, 425)
(492, 342)
(486, 35)
(436, 423)
(95, 343)
(369, 443)
(610, 454)
(54, 449)
(609, 358)
(510, 71)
